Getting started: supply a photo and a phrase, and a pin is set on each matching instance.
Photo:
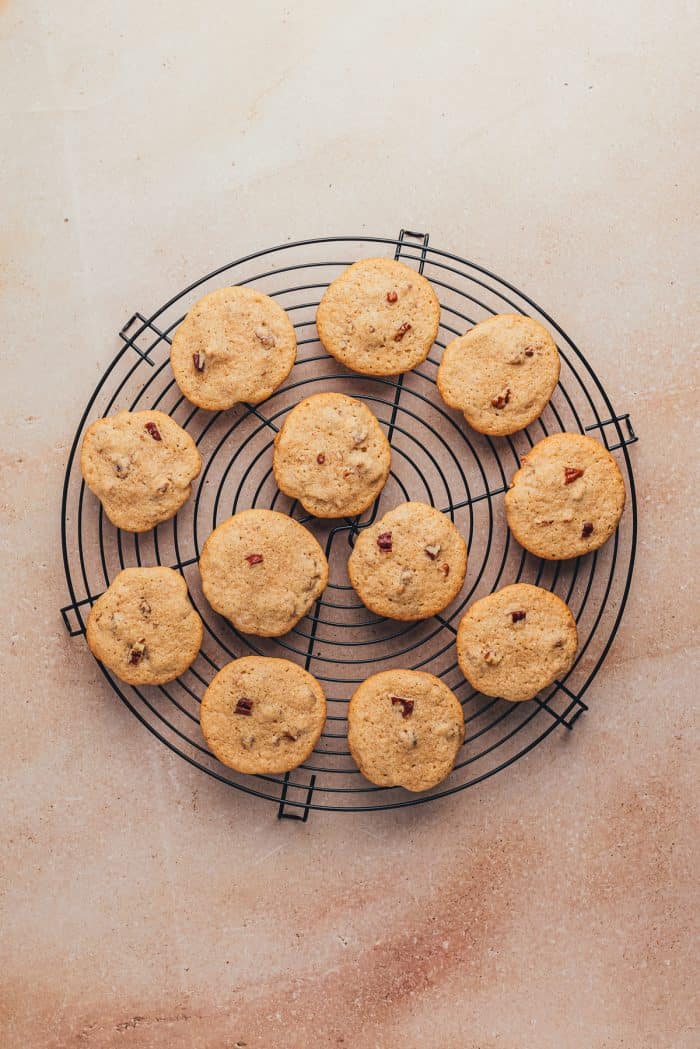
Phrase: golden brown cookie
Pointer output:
(501, 373)
(410, 564)
(517, 641)
(379, 317)
(405, 729)
(144, 628)
(234, 345)
(263, 571)
(567, 498)
(140, 465)
(331, 454)
(263, 715)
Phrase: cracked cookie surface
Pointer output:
(379, 317)
(140, 465)
(234, 345)
(405, 728)
(262, 715)
(500, 374)
(567, 497)
(262, 571)
(410, 564)
(332, 455)
(516, 641)
(144, 627)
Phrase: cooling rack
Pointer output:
(437, 459)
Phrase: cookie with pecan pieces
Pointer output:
(410, 564)
(263, 571)
(332, 455)
(262, 715)
(405, 729)
(567, 497)
(501, 373)
(144, 628)
(516, 641)
(234, 345)
(379, 317)
(140, 465)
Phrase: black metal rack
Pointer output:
(436, 459)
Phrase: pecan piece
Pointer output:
(320, 458)
(391, 296)
(502, 400)
(244, 706)
(264, 335)
(571, 473)
(198, 361)
(144, 607)
(136, 652)
(518, 616)
(154, 431)
(402, 331)
(406, 705)
(254, 559)
(586, 530)
(432, 550)
(384, 541)
(445, 569)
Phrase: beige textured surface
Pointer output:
(144, 905)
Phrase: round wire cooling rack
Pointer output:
(436, 458)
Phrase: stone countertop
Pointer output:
(144, 904)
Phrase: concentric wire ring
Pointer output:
(436, 458)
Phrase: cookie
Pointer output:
(501, 373)
(379, 317)
(410, 564)
(331, 454)
(262, 715)
(516, 642)
(140, 465)
(262, 571)
(234, 345)
(567, 498)
(143, 628)
(405, 729)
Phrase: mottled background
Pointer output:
(143, 904)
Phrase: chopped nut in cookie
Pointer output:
(137, 652)
(384, 541)
(144, 607)
(244, 706)
(432, 550)
(264, 335)
(402, 331)
(492, 657)
(502, 399)
(571, 473)
(445, 569)
(406, 705)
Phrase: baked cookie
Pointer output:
(501, 373)
(262, 715)
(567, 497)
(140, 465)
(144, 628)
(379, 317)
(262, 571)
(405, 729)
(331, 454)
(410, 564)
(516, 641)
(235, 344)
